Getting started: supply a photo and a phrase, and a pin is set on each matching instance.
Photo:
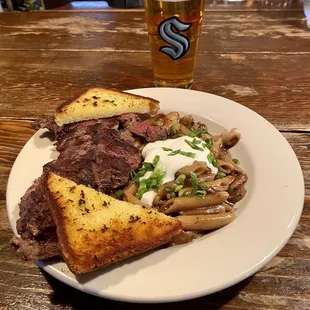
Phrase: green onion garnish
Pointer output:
(153, 182)
(208, 143)
(236, 161)
(193, 144)
(173, 129)
(178, 188)
(212, 159)
(167, 149)
(180, 179)
(119, 193)
(194, 181)
(204, 185)
(201, 193)
(196, 132)
(156, 160)
(220, 175)
(188, 154)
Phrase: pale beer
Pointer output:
(174, 28)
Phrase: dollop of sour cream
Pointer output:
(171, 164)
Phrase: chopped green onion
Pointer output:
(212, 159)
(180, 179)
(188, 154)
(236, 161)
(119, 193)
(204, 185)
(156, 160)
(220, 175)
(154, 123)
(178, 188)
(196, 132)
(148, 166)
(167, 149)
(194, 181)
(201, 193)
(173, 129)
(193, 144)
(208, 143)
(153, 182)
(174, 152)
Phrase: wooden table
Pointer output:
(250, 53)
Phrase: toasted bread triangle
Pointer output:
(95, 230)
(103, 103)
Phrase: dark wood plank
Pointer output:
(254, 31)
(210, 4)
(275, 86)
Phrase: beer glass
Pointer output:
(174, 28)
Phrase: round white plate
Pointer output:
(266, 217)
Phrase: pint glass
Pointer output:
(174, 27)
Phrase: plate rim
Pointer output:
(75, 284)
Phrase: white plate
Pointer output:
(266, 217)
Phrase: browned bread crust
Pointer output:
(103, 103)
(95, 230)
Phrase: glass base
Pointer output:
(182, 84)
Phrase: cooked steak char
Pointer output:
(35, 217)
(35, 225)
(101, 159)
(91, 153)
(49, 123)
(129, 119)
(33, 249)
(148, 131)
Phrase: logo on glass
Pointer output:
(169, 30)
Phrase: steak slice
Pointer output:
(35, 220)
(91, 153)
(33, 249)
(150, 132)
(64, 132)
(98, 157)
(82, 131)
(128, 119)
(49, 123)
(36, 227)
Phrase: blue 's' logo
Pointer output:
(179, 42)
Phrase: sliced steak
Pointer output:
(33, 249)
(90, 154)
(150, 132)
(35, 225)
(99, 158)
(35, 218)
(128, 119)
(128, 136)
(49, 123)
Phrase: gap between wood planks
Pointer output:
(142, 10)
(109, 49)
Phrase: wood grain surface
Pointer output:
(253, 31)
(256, 53)
(269, 84)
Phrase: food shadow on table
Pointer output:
(67, 296)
